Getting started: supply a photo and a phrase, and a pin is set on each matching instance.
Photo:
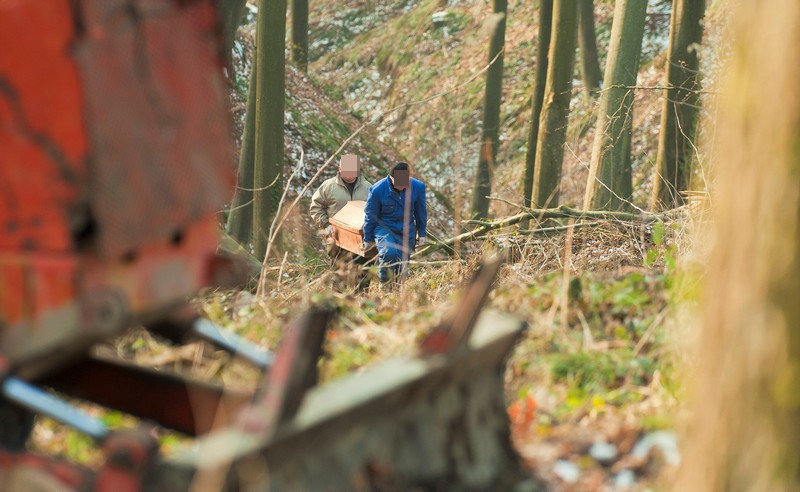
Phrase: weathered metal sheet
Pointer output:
(437, 422)
(156, 103)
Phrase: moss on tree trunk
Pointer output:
(537, 98)
(240, 218)
(231, 12)
(270, 91)
(491, 115)
(300, 34)
(587, 47)
(555, 112)
(680, 107)
(609, 186)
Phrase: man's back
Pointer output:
(332, 195)
(386, 208)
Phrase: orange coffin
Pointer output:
(348, 228)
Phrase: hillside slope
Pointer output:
(407, 59)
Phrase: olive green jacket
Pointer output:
(332, 195)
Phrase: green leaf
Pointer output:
(658, 233)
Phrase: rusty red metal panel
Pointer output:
(156, 103)
(42, 141)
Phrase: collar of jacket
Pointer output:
(391, 184)
(341, 182)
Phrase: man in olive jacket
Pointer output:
(333, 194)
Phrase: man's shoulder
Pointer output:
(381, 183)
(417, 183)
(329, 182)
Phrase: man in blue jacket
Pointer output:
(396, 218)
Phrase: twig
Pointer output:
(272, 232)
(657, 88)
(499, 199)
(649, 332)
(545, 230)
(280, 271)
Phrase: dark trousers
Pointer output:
(347, 261)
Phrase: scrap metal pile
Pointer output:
(115, 135)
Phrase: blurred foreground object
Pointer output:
(115, 139)
(746, 422)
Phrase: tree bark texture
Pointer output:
(587, 47)
(491, 115)
(555, 111)
(610, 184)
(240, 218)
(680, 107)
(270, 61)
(746, 407)
(537, 98)
(300, 34)
(231, 12)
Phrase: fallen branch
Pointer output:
(569, 212)
(542, 214)
(547, 230)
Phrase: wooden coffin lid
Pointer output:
(351, 216)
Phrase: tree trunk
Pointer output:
(680, 109)
(555, 112)
(240, 218)
(537, 98)
(609, 186)
(231, 12)
(270, 91)
(746, 408)
(491, 115)
(300, 34)
(587, 47)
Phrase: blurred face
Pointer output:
(401, 179)
(348, 168)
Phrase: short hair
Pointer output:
(400, 166)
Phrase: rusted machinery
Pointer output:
(114, 132)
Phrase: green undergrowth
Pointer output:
(597, 343)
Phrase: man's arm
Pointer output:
(319, 207)
(421, 213)
(372, 212)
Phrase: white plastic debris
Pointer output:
(665, 441)
(603, 452)
(624, 480)
(439, 18)
(567, 471)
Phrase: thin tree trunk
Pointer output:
(491, 115)
(587, 47)
(231, 12)
(609, 186)
(270, 92)
(680, 107)
(555, 112)
(746, 409)
(240, 218)
(537, 98)
(300, 34)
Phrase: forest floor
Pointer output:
(593, 388)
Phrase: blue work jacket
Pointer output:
(386, 207)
